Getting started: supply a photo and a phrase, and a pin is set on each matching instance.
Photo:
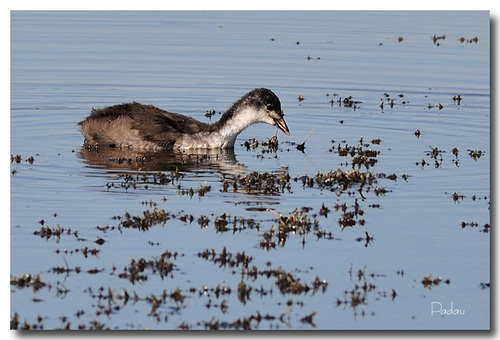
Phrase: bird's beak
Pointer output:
(280, 124)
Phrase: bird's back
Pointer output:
(138, 126)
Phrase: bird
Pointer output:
(144, 127)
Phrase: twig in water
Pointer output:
(302, 146)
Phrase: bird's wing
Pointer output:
(163, 127)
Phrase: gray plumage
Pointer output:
(146, 127)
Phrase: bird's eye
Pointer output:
(270, 107)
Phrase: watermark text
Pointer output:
(438, 308)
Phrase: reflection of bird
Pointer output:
(145, 127)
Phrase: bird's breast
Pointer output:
(204, 140)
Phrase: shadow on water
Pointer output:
(137, 170)
(223, 161)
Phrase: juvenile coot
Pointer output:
(145, 127)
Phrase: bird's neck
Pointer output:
(234, 121)
(223, 133)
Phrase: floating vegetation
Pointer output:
(225, 258)
(201, 191)
(298, 223)
(269, 146)
(350, 218)
(302, 222)
(430, 282)
(475, 154)
(223, 223)
(346, 182)
(347, 102)
(273, 143)
(469, 41)
(360, 155)
(28, 281)
(302, 146)
(484, 285)
(210, 113)
(137, 180)
(286, 282)
(86, 251)
(436, 39)
(146, 221)
(162, 266)
(485, 227)
(17, 159)
(65, 270)
(345, 210)
(338, 181)
(358, 297)
(457, 99)
(368, 239)
(144, 180)
(387, 101)
(47, 232)
(457, 196)
(309, 58)
(436, 154)
(251, 144)
(246, 323)
(258, 183)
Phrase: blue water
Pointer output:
(65, 63)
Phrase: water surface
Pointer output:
(345, 255)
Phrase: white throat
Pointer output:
(226, 135)
(240, 121)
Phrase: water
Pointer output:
(412, 244)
